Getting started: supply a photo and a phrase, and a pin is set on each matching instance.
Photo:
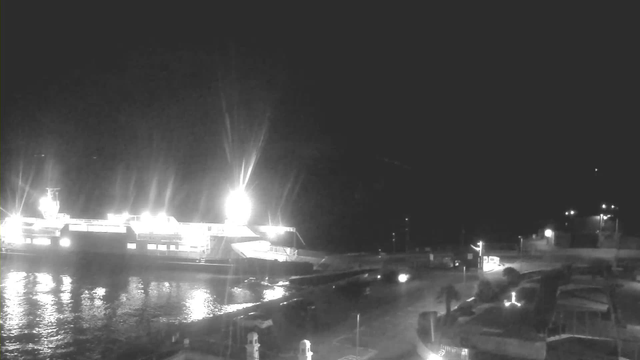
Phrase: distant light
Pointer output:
(604, 206)
(403, 278)
(596, 169)
(273, 231)
(15, 239)
(572, 212)
(42, 241)
(379, 276)
(548, 233)
(238, 207)
(566, 213)
(65, 242)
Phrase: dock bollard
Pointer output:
(305, 350)
(252, 346)
(426, 324)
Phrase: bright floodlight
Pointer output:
(403, 278)
(548, 233)
(146, 216)
(238, 208)
(48, 207)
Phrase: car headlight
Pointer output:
(65, 242)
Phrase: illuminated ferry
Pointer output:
(151, 236)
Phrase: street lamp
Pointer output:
(238, 208)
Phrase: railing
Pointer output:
(592, 325)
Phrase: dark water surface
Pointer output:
(88, 310)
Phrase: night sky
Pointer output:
(349, 119)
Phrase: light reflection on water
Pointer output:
(86, 313)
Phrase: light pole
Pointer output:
(406, 245)
(570, 213)
(604, 216)
(549, 234)
(521, 246)
(357, 335)
(393, 240)
(480, 259)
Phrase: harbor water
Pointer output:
(89, 309)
